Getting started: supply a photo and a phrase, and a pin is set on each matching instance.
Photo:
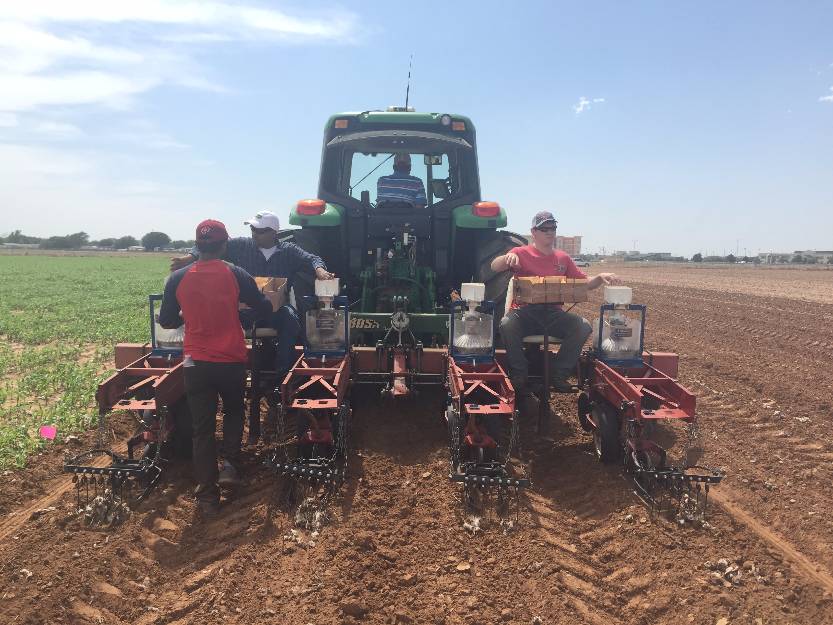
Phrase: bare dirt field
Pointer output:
(755, 345)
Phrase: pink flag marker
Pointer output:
(48, 432)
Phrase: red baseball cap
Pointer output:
(211, 231)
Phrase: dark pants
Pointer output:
(288, 325)
(204, 382)
(535, 319)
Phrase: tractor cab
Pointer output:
(405, 251)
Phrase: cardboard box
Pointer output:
(274, 289)
(549, 290)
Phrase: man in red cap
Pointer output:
(206, 296)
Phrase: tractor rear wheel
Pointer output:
(606, 434)
(492, 245)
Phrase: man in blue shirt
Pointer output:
(263, 255)
(401, 186)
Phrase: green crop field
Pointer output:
(59, 319)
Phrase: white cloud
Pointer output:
(63, 59)
(21, 164)
(45, 62)
(144, 134)
(26, 92)
(8, 120)
(584, 104)
(224, 17)
(27, 50)
(827, 98)
(58, 130)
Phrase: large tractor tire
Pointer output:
(491, 246)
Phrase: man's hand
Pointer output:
(610, 278)
(323, 274)
(506, 262)
(603, 278)
(178, 262)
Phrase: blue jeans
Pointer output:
(288, 325)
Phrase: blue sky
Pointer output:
(676, 127)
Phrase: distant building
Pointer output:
(819, 255)
(20, 246)
(571, 245)
(774, 258)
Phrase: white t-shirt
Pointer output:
(268, 251)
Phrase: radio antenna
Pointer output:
(408, 88)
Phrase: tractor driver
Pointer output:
(401, 186)
(205, 296)
(264, 255)
(540, 258)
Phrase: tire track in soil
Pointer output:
(726, 498)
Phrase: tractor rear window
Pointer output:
(432, 170)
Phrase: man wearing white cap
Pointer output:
(263, 255)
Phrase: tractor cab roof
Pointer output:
(442, 123)
(418, 141)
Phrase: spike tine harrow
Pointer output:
(483, 436)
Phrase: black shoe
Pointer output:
(208, 509)
(561, 385)
(228, 478)
(270, 425)
(527, 404)
(559, 381)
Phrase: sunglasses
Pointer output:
(261, 230)
(546, 229)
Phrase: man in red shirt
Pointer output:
(542, 259)
(206, 296)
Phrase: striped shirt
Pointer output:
(401, 187)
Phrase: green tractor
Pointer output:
(399, 263)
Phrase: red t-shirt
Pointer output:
(531, 262)
(207, 293)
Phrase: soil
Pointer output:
(584, 549)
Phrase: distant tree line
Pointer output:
(797, 259)
(150, 241)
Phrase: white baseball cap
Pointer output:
(264, 219)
